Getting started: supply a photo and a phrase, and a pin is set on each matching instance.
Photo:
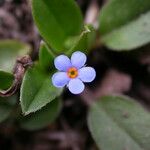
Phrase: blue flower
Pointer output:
(72, 72)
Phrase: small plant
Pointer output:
(116, 122)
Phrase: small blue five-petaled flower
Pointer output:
(72, 72)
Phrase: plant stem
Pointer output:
(87, 30)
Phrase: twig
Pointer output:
(19, 70)
(92, 14)
(84, 32)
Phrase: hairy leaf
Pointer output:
(6, 80)
(42, 117)
(119, 123)
(124, 24)
(37, 90)
(57, 21)
(6, 107)
(9, 51)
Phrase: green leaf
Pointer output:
(9, 51)
(6, 107)
(43, 117)
(37, 90)
(130, 36)
(119, 123)
(6, 80)
(124, 25)
(5, 111)
(119, 12)
(46, 59)
(57, 21)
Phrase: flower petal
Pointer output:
(62, 63)
(60, 79)
(87, 74)
(76, 86)
(78, 59)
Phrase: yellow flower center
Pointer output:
(72, 72)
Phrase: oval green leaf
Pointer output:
(43, 117)
(6, 80)
(119, 123)
(57, 21)
(124, 25)
(6, 107)
(36, 90)
(9, 51)
(5, 111)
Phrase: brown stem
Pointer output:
(19, 70)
